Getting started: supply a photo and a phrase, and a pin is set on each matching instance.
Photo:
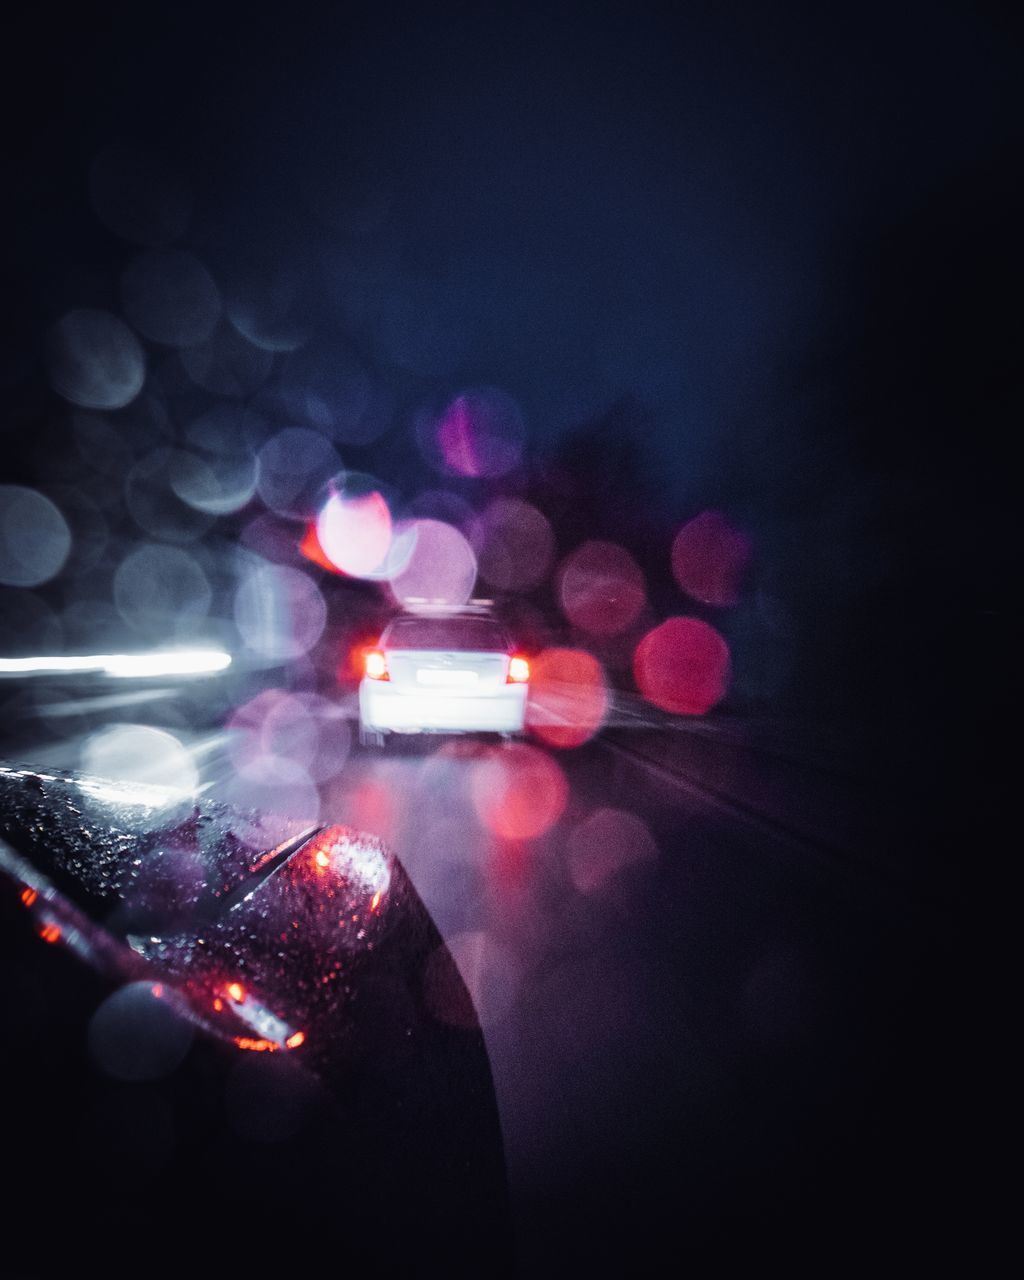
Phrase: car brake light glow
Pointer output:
(518, 671)
(375, 666)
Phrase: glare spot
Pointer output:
(518, 792)
(138, 197)
(226, 364)
(354, 531)
(568, 697)
(480, 434)
(294, 467)
(170, 297)
(682, 666)
(34, 537)
(604, 844)
(601, 588)
(161, 592)
(136, 753)
(709, 557)
(518, 543)
(442, 566)
(94, 360)
(279, 612)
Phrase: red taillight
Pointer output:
(374, 665)
(518, 671)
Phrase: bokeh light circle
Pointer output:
(161, 591)
(568, 697)
(354, 532)
(94, 360)
(135, 1035)
(226, 364)
(517, 545)
(152, 491)
(270, 308)
(480, 433)
(682, 666)
(709, 557)
(441, 566)
(279, 612)
(307, 729)
(272, 798)
(34, 537)
(138, 753)
(294, 466)
(605, 843)
(170, 297)
(601, 588)
(490, 975)
(518, 792)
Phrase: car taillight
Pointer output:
(518, 671)
(374, 665)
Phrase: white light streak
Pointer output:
(173, 662)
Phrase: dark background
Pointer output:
(759, 258)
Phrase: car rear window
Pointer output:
(475, 634)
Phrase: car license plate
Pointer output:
(435, 675)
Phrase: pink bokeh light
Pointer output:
(519, 792)
(441, 566)
(601, 588)
(481, 433)
(709, 558)
(568, 697)
(682, 666)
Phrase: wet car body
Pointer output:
(322, 1072)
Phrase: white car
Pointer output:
(448, 671)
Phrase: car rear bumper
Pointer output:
(383, 707)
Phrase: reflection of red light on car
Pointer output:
(294, 1041)
(236, 991)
